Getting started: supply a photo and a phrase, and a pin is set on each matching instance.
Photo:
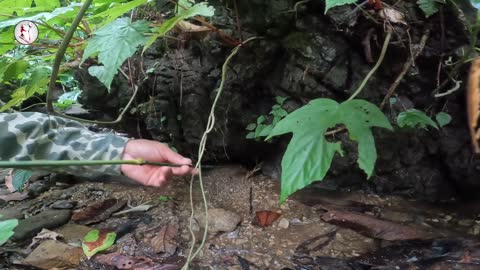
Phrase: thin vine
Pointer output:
(201, 151)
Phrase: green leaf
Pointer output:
(98, 240)
(261, 119)
(126, 36)
(17, 97)
(443, 119)
(309, 154)
(46, 16)
(6, 229)
(20, 177)
(116, 11)
(251, 126)
(250, 135)
(164, 198)
(13, 70)
(48, 4)
(266, 131)
(280, 100)
(414, 118)
(333, 3)
(200, 9)
(429, 7)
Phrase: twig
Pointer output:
(63, 163)
(450, 91)
(406, 66)
(239, 23)
(379, 62)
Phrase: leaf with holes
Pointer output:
(414, 118)
(98, 240)
(309, 154)
(126, 36)
(334, 3)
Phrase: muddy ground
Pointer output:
(306, 235)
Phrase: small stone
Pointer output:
(219, 220)
(448, 218)
(38, 187)
(73, 233)
(296, 221)
(48, 219)
(62, 204)
(283, 223)
(54, 254)
(234, 234)
(435, 220)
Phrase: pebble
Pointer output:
(63, 204)
(283, 223)
(219, 220)
(52, 254)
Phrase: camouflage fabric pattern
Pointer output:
(36, 136)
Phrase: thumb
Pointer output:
(176, 158)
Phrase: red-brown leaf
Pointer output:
(164, 240)
(265, 218)
(98, 211)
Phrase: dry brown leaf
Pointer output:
(17, 196)
(120, 261)
(164, 240)
(9, 181)
(44, 235)
(98, 211)
(473, 103)
(392, 15)
(185, 26)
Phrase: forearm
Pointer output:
(36, 136)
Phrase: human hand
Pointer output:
(150, 175)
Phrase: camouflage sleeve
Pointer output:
(34, 136)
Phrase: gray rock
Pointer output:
(219, 220)
(63, 204)
(48, 219)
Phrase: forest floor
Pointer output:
(315, 229)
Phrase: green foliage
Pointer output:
(20, 177)
(6, 229)
(263, 129)
(414, 118)
(164, 198)
(429, 7)
(126, 36)
(443, 119)
(309, 154)
(333, 3)
(97, 240)
(200, 9)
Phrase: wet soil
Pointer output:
(298, 239)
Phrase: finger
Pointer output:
(182, 170)
(174, 157)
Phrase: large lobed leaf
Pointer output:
(309, 154)
(114, 43)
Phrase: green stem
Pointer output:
(377, 65)
(62, 163)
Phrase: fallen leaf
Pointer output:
(185, 26)
(44, 235)
(9, 181)
(98, 240)
(98, 211)
(373, 227)
(120, 261)
(51, 253)
(392, 15)
(140, 208)
(164, 240)
(265, 218)
(17, 196)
